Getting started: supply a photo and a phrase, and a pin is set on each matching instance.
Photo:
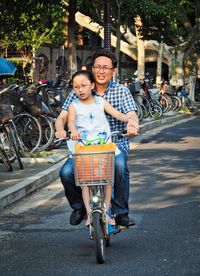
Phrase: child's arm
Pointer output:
(75, 135)
(114, 112)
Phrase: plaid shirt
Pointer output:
(121, 99)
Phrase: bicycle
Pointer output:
(156, 107)
(184, 98)
(10, 139)
(95, 169)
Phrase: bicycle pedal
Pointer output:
(120, 228)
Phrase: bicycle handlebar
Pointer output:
(8, 88)
(89, 142)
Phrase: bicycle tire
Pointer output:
(187, 101)
(48, 132)
(164, 103)
(29, 130)
(4, 159)
(169, 101)
(5, 141)
(12, 140)
(147, 105)
(139, 110)
(144, 110)
(178, 103)
(174, 103)
(156, 111)
(98, 237)
(19, 142)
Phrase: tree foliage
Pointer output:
(31, 23)
(28, 24)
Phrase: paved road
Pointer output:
(36, 238)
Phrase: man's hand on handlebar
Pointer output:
(132, 129)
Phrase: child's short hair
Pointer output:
(87, 73)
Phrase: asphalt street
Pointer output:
(37, 239)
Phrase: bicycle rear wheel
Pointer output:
(156, 111)
(178, 103)
(98, 237)
(147, 105)
(30, 131)
(19, 142)
(164, 103)
(48, 132)
(139, 110)
(4, 159)
(13, 143)
(5, 142)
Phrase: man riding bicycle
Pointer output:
(104, 66)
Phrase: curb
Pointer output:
(154, 124)
(29, 185)
(42, 179)
(56, 156)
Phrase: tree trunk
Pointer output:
(159, 65)
(179, 69)
(172, 65)
(117, 49)
(71, 45)
(33, 72)
(140, 48)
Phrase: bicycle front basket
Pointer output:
(94, 167)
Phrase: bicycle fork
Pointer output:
(98, 205)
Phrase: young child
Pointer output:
(87, 121)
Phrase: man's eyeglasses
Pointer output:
(104, 68)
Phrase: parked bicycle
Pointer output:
(10, 140)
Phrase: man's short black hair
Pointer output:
(105, 53)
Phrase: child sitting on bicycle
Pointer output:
(87, 121)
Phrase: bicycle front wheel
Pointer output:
(98, 237)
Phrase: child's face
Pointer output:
(82, 86)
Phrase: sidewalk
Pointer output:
(40, 172)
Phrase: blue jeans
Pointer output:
(121, 185)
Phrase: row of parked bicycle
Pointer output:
(151, 102)
(27, 117)
(28, 114)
